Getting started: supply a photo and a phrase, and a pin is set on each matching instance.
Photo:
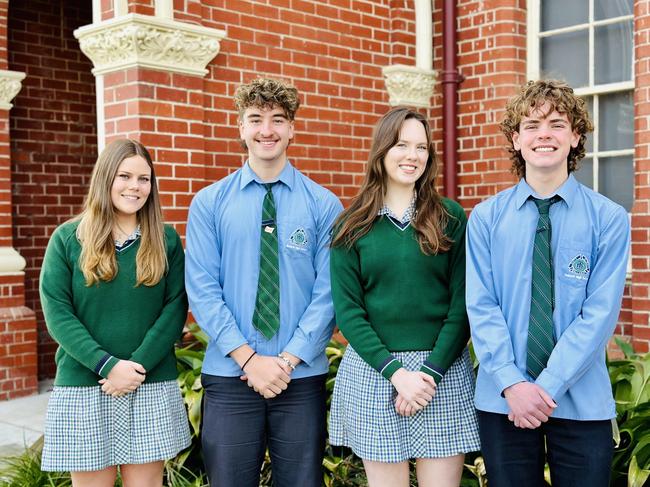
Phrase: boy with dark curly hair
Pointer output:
(546, 265)
(257, 276)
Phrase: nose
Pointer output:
(412, 153)
(265, 130)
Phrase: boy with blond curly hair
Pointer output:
(546, 265)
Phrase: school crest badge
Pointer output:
(298, 239)
(579, 265)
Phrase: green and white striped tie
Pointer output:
(540, 325)
(267, 304)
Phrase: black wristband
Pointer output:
(248, 360)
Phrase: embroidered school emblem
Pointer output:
(579, 265)
(299, 238)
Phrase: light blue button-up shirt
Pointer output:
(222, 268)
(590, 244)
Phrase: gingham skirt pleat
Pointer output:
(86, 429)
(363, 415)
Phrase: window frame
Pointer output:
(533, 70)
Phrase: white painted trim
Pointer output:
(101, 117)
(121, 7)
(409, 85)
(97, 11)
(423, 35)
(164, 9)
(532, 39)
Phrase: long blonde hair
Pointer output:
(431, 217)
(97, 260)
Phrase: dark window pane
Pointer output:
(615, 121)
(607, 9)
(562, 13)
(613, 52)
(585, 172)
(566, 57)
(616, 179)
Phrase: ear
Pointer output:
(575, 138)
(291, 129)
(241, 129)
(515, 141)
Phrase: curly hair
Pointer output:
(267, 93)
(431, 217)
(561, 98)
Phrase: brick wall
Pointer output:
(641, 210)
(53, 135)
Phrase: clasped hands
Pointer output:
(126, 376)
(267, 375)
(530, 405)
(415, 390)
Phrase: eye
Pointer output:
(422, 148)
(278, 121)
(123, 177)
(400, 145)
(144, 179)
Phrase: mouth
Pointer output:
(267, 143)
(544, 148)
(131, 197)
(408, 168)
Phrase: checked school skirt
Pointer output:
(363, 415)
(86, 429)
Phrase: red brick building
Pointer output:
(165, 71)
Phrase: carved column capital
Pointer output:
(143, 41)
(409, 85)
(10, 85)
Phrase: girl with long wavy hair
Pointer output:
(113, 297)
(404, 387)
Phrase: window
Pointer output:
(589, 44)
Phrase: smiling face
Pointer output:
(545, 140)
(405, 162)
(266, 133)
(131, 187)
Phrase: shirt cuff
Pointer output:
(551, 384)
(302, 349)
(506, 376)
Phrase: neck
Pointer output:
(545, 184)
(125, 225)
(398, 198)
(267, 171)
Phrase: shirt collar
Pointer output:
(287, 176)
(408, 214)
(567, 191)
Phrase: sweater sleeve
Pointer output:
(351, 314)
(454, 332)
(167, 328)
(56, 300)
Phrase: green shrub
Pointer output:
(630, 379)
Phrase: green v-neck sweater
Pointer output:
(97, 325)
(390, 297)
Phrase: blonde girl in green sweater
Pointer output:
(404, 387)
(113, 297)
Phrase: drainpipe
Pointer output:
(451, 78)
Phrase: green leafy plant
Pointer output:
(630, 377)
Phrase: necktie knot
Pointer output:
(544, 206)
(268, 186)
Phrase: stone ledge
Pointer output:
(143, 41)
(10, 85)
(409, 85)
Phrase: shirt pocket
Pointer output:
(573, 269)
(297, 238)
